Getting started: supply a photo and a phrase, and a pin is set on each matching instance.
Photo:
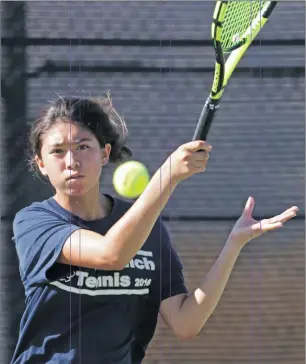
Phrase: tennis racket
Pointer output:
(235, 25)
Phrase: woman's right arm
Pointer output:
(114, 250)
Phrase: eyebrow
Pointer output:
(77, 141)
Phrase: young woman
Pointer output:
(96, 269)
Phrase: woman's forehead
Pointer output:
(67, 133)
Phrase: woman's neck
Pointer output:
(89, 207)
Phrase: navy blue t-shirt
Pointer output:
(80, 315)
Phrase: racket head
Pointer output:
(240, 18)
(235, 25)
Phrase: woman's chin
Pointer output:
(75, 187)
(75, 191)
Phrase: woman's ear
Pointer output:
(106, 153)
(41, 166)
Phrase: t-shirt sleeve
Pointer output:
(171, 269)
(39, 236)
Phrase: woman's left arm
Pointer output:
(186, 314)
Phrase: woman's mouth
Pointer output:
(74, 177)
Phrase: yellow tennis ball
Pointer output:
(130, 179)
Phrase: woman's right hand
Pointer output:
(188, 159)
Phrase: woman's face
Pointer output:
(72, 159)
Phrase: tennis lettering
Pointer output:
(82, 282)
(115, 280)
(142, 263)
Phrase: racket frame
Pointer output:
(224, 70)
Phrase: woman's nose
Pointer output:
(72, 161)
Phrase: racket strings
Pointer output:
(238, 18)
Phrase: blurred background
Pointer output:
(157, 60)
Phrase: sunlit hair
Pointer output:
(96, 114)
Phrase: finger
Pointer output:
(272, 222)
(249, 203)
(249, 206)
(198, 166)
(201, 156)
(285, 216)
(270, 227)
(294, 208)
(291, 209)
(196, 145)
(262, 227)
(199, 160)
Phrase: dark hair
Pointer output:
(95, 114)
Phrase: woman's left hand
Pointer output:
(247, 228)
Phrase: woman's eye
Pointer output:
(83, 147)
(57, 151)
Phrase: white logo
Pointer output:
(110, 284)
(142, 263)
(115, 280)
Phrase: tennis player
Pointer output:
(96, 269)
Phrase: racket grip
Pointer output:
(206, 118)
